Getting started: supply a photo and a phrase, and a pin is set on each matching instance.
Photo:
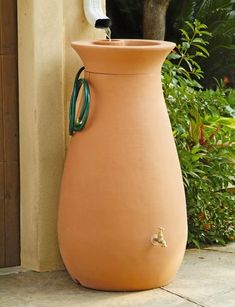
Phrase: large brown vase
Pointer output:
(122, 215)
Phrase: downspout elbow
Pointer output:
(95, 15)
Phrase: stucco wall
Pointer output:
(47, 66)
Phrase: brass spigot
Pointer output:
(158, 238)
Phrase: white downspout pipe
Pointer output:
(95, 15)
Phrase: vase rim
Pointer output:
(127, 44)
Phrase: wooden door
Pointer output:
(9, 138)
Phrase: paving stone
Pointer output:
(206, 278)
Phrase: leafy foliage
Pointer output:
(203, 125)
(219, 16)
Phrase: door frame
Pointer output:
(9, 137)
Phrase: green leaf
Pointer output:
(185, 34)
(185, 46)
(190, 25)
(202, 48)
(206, 33)
(226, 121)
(189, 65)
(199, 40)
(200, 54)
(173, 56)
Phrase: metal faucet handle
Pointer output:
(158, 238)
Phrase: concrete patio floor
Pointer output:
(206, 278)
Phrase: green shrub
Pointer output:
(219, 16)
(203, 126)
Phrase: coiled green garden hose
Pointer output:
(77, 124)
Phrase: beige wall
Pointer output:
(47, 66)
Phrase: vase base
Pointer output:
(130, 288)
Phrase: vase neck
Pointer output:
(123, 56)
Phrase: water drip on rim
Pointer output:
(108, 33)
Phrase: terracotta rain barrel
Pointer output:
(122, 216)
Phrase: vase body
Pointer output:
(122, 178)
